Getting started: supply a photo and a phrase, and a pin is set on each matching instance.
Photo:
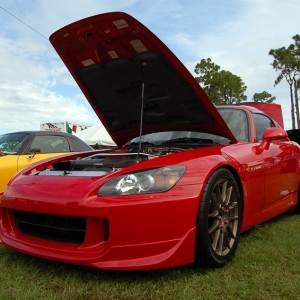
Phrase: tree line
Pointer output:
(225, 88)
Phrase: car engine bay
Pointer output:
(105, 162)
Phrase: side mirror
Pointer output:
(35, 150)
(272, 134)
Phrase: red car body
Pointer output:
(155, 202)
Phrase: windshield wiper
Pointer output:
(190, 140)
(1, 153)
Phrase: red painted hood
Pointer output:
(115, 60)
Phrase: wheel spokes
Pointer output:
(230, 233)
(219, 249)
(223, 217)
(214, 227)
(216, 239)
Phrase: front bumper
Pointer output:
(125, 232)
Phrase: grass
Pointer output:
(266, 266)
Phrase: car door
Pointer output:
(251, 163)
(28, 159)
(47, 145)
(10, 147)
(280, 164)
(8, 168)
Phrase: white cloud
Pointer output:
(35, 86)
(29, 105)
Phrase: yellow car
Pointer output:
(20, 149)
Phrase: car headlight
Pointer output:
(142, 182)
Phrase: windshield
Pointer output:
(236, 120)
(160, 138)
(12, 143)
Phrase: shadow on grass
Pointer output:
(269, 223)
(13, 260)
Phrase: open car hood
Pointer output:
(123, 69)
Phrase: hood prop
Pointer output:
(145, 64)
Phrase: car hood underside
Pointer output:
(131, 79)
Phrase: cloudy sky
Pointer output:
(35, 86)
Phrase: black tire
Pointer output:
(297, 207)
(219, 221)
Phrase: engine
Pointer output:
(114, 160)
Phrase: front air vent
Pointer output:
(49, 227)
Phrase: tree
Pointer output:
(263, 97)
(287, 62)
(222, 87)
(295, 49)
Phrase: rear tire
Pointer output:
(219, 220)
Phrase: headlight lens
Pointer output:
(142, 182)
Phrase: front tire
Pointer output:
(297, 207)
(218, 221)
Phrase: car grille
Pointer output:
(55, 228)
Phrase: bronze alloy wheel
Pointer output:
(223, 217)
(219, 220)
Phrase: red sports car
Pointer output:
(187, 179)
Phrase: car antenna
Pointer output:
(145, 64)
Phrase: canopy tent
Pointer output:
(95, 136)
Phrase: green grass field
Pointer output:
(266, 266)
